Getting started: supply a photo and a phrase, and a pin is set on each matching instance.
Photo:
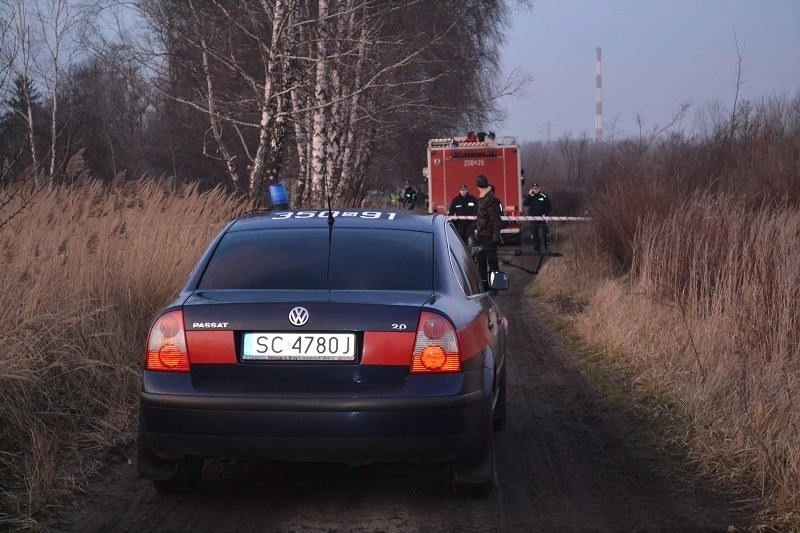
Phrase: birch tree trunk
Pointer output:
(319, 114)
(269, 143)
(211, 104)
(55, 21)
(351, 180)
(18, 51)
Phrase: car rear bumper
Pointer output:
(320, 428)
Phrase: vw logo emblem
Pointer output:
(298, 316)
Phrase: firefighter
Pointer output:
(538, 205)
(409, 196)
(464, 205)
(487, 231)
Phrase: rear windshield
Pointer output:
(374, 259)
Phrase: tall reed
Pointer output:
(709, 319)
(82, 273)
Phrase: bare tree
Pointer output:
(738, 83)
(111, 115)
(8, 53)
(647, 136)
(383, 75)
(60, 24)
(230, 63)
(17, 193)
(18, 51)
(43, 41)
(573, 154)
(336, 77)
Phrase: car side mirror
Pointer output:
(498, 281)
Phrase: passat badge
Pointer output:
(298, 316)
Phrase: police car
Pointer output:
(352, 336)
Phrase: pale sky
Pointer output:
(656, 54)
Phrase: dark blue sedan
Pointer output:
(351, 336)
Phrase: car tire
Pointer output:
(474, 479)
(499, 417)
(188, 474)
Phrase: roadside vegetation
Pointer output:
(83, 271)
(686, 285)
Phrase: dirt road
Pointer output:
(564, 463)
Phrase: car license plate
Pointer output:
(299, 347)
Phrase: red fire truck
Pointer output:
(456, 160)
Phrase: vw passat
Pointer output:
(350, 336)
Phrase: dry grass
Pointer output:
(707, 322)
(82, 274)
(686, 284)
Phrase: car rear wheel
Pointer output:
(168, 476)
(499, 417)
(186, 478)
(475, 478)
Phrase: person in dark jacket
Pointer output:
(464, 205)
(538, 205)
(409, 196)
(487, 228)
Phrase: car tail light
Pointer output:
(436, 346)
(166, 344)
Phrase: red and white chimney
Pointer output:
(598, 102)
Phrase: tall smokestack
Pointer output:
(598, 102)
